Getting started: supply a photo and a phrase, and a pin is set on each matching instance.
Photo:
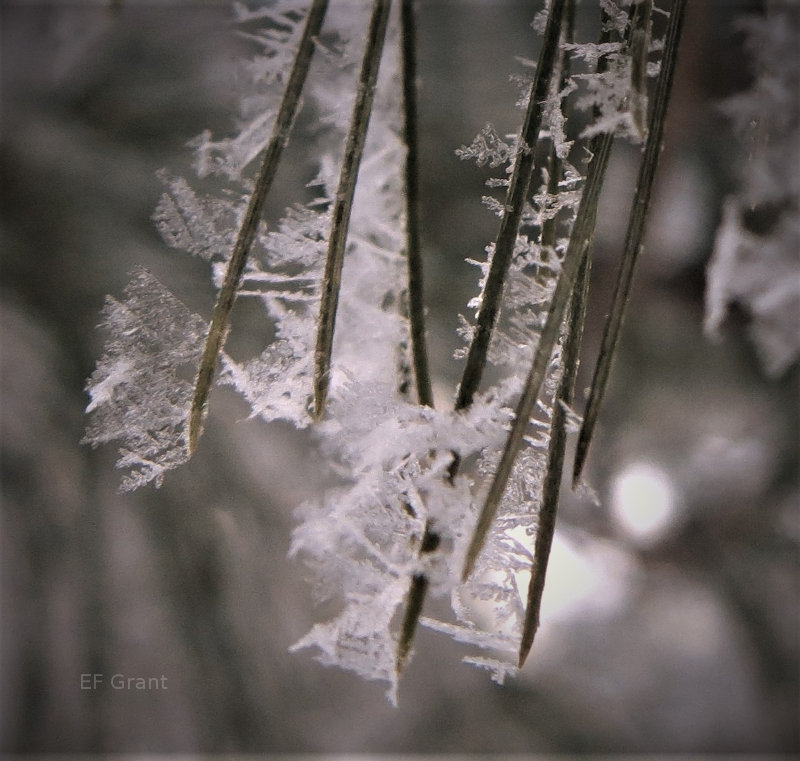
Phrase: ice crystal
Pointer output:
(137, 396)
(488, 148)
(202, 226)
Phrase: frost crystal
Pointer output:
(499, 670)
(137, 396)
(202, 226)
(488, 148)
(760, 273)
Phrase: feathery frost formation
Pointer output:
(361, 542)
(137, 396)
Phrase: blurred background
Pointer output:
(670, 622)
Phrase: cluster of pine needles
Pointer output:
(566, 308)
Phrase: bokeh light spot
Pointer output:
(644, 503)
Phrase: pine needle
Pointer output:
(514, 205)
(416, 304)
(546, 518)
(577, 251)
(419, 582)
(551, 489)
(633, 237)
(354, 148)
(220, 316)
(639, 49)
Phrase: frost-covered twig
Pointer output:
(354, 148)
(397, 525)
(633, 237)
(233, 276)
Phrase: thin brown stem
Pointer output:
(512, 214)
(633, 237)
(416, 303)
(354, 148)
(220, 316)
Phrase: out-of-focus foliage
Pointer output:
(756, 261)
